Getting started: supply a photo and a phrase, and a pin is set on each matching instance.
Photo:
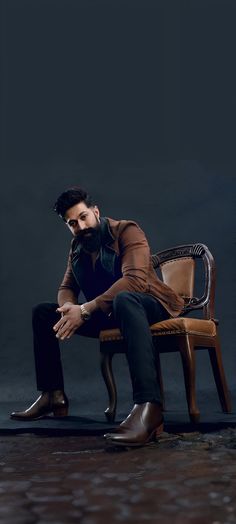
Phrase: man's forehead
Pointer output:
(76, 210)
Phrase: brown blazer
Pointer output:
(125, 241)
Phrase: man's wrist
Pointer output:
(91, 306)
(85, 314)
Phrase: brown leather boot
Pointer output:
(142, 425)
(55, 402)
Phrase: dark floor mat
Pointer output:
(96, 424)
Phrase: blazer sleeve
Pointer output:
(69, 282)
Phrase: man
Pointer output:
(110, 262)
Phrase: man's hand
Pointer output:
(69, 322)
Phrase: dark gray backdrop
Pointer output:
(135, 101)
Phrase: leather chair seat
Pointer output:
(182, 325)
(171, 326)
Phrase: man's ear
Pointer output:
(97, 212)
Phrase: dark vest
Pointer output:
(107, 270)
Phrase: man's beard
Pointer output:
(90, 238)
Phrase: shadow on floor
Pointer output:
(96, 424)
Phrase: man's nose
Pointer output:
(80, 226)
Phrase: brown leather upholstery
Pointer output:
(178, 274)
(110, 334)
(172, 326)
(184, 325)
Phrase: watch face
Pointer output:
(85, 314)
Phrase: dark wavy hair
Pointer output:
(71, 197)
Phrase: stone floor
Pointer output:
(182, 478)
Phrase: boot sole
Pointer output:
(152, 438)
(57, 413)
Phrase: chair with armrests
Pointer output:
(184, 334)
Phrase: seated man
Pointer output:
(110, 262)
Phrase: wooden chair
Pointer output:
(184, 334)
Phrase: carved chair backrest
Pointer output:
(177, 266)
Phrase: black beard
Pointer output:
(92, 242)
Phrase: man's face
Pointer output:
(83, 223)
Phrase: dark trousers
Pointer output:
(133, 312)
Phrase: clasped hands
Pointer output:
(69, 322)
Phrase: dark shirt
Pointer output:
(94, 281)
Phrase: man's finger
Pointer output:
(59, 324)
(69, 335)
(62, 331)
(65, 334)
(62, 309)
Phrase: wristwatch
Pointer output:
(85, 315)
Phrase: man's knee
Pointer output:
(122, 301)
(43, 310)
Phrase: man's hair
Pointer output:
(71, 197)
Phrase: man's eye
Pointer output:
(72, 223)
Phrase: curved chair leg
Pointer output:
(188, 361)
(219, 375)
(107, 373)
